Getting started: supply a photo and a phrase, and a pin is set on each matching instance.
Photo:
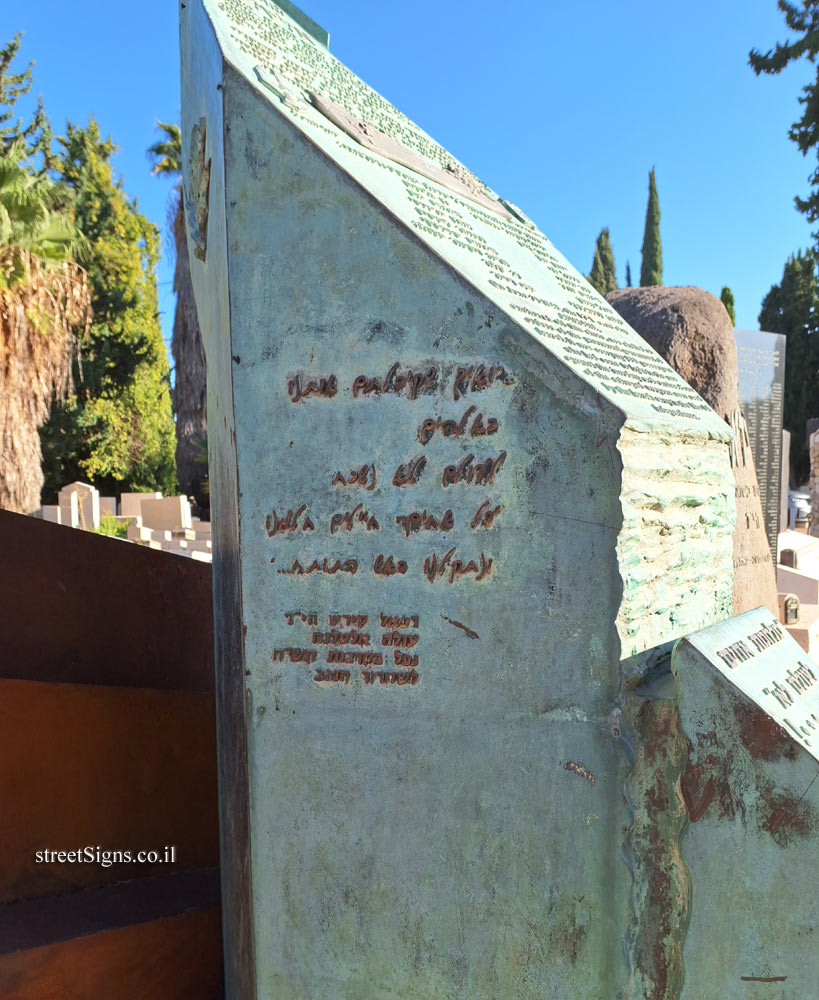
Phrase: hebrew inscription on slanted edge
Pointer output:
(490, 241)
(756, 654)
(443, 543)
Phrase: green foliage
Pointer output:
(628, 275)
(118, 429)
(792, 308)
(28, 222)
(597, 277)
(603, 276)
(36, 136)
(804, 20)
(109, 525)
(651, 272)
(44, 297)
(30, 218)
(726, 297)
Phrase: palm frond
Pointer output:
(167, 153)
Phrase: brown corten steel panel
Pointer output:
(83, 608)
(118, 768)
(176, 958)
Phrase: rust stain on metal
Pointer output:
(789, 818)
(460, 625)
(579, 769)
(762, 736)
(696, 802)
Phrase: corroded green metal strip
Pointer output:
(661, 882)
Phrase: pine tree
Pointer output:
(603, 276)
(792, 308)
(651, 272)
(35, 138)
(117, 429)
(628, 275)
(727, 298)
(805, 132)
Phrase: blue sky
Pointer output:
(559, 111)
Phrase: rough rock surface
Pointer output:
(690, 328)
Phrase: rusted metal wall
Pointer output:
(107, 742)
(84, 608)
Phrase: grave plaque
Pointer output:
(749, 721)
(451, 489)
(761, 362)
(761, 660)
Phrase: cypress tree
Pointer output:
(596, 277)
(651, 272)
(603, 276)
(727, 298)
(628, 275)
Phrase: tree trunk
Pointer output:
(38, 317)
(190, 394)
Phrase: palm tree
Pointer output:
(190, 393)
(44, 302)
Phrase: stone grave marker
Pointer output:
(86, 498)
(784, 481)
(451, 491)
(51, 512)
(749, 716)
(761, 359)
(130, 504)
(166, 513)
(69, 509)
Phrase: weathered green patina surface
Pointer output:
(722, 733)
(452, 491)
(749, 710)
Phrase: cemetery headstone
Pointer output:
(87, 506)
(692, 330)
(130, 504)
(69, 507)
(788, 609)
(167, 513)
(784, 519)
(51, 512)
(761, 359)
(451, 490)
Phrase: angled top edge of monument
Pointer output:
(304, 21)
(483, 237)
